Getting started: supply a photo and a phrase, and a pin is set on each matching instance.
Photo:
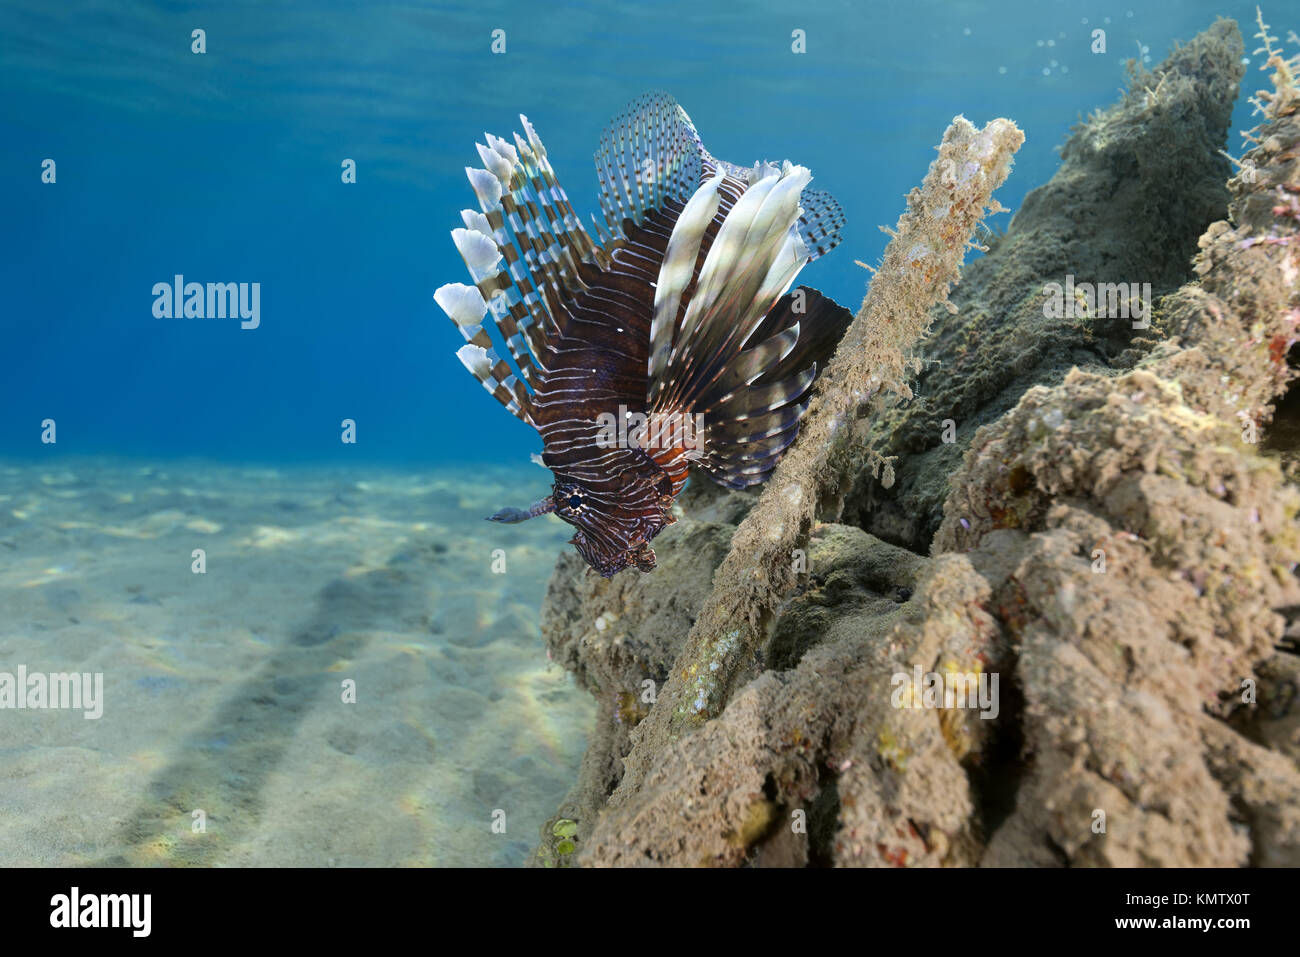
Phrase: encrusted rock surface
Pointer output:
(1138, 184)
(1114, 537)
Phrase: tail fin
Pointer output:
(651, 155)
(648, 156)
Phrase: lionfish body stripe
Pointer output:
(679, 311)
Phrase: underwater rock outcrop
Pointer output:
(1116, 546)
(1138, 184)
(615, 635)
(1155, 549)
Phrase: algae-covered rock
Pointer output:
(1138, 184)
(1107, 555)
(619, 636)
(1140, 604)
(1161, 549)
(811, 762)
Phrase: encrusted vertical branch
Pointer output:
(920, 264)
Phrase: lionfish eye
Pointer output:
(575, 501)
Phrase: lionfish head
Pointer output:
(614, 532)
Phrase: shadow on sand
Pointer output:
(223, 766)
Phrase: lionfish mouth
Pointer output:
(678, 304)
(638, 555)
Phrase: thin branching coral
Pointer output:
(1282, 99)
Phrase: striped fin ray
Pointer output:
(740, 453)
(820, 324)
(753, 259)
(748, 401)
(466, 307)
(493, 260)
(544, 208)
(679, 269)
(751, 364)
(821, 222)
(481, 248)
(822, 217)
(752, 412)
(648, 155)
(495, 374)
(523, 252)
(534, 226)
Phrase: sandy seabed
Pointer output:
(223, 691)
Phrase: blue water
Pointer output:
(225, 166)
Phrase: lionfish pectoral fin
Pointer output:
(756, 406)
(750, 264)
(512, 516)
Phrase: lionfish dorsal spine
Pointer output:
(523, 248)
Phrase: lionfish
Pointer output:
(678, 310)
